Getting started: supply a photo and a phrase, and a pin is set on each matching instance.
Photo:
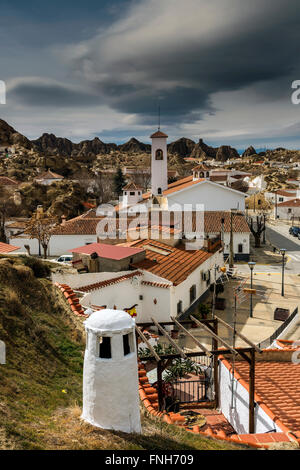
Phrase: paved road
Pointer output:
(280, 237)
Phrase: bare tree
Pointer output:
(257, 226)
(41, 227)
(8, 208)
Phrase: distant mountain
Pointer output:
(51, 145)
(182, 147)
(134, 145)
(223, 153)
(9, 136)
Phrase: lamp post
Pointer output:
(251, 265)
(283, 252)
(264, 234)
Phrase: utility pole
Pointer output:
(264, 234)
(231, 254)
(251, 265)
(282, 251)
(214, 293)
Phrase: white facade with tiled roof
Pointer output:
(157, 285)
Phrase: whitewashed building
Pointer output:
(288, 210)
(169, 281)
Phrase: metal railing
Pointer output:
(267, 342)
(190, 391)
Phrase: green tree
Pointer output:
(119, 181)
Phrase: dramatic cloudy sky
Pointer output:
(219, 69)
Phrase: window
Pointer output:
(179, 307)
(281, 199)
(289, 211)
(126, 345)
(201, 175)
(159, 191)
(132, 193)
(159, 155)
(240, 248)
(192, 294)
(105, 347)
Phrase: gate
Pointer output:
(191, 391)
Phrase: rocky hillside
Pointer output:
(9, 136)
(50, 145)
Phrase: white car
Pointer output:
(64, 259)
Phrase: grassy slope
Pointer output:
(40, 386)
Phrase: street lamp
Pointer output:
(251, 265)
(283, 252)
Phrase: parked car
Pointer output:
(64, 259)
(294, 231)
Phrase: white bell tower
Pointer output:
(110, 373)
(159, 163)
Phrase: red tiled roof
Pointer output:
(158, 134)
(156, 284)
(277, 389)
(285, 344)
(49, 175)
(218, 178)
(292, 203)
(182, 184)
(5, 248)
(282, 192)
(103, 250)
(201, 167)
(109, 282)
(132, 186)
(175, 266)
(5, 181)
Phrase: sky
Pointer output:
(220, 70)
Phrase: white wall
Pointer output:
(243, 238)
(59, 244)
(283, 212)
(182, 291)
(238, 416)
(214, 197)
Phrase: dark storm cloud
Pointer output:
(178, 54)
(48, 93)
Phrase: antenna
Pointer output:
(159, 118)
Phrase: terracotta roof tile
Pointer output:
(182, 184)
(5, 181)
(277, 389)
(109, 282)
(48, 175)
(292, 203)
(175, 265)
(282, 192)
(107, 251)
(158, 135)
(5, 248)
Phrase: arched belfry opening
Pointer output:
(159, 154)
